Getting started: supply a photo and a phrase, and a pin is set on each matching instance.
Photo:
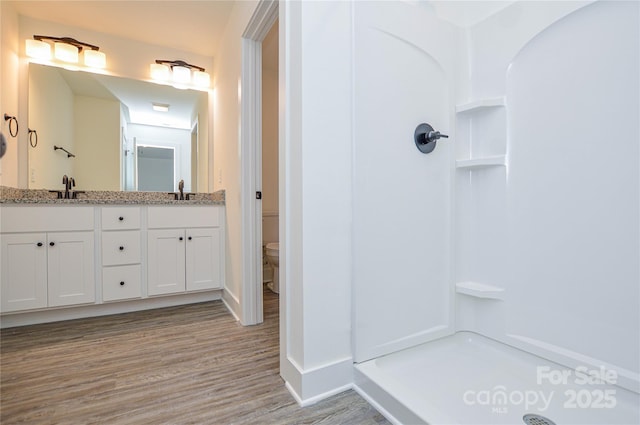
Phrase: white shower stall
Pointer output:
(499, 275)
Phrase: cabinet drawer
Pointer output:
(46, 219)
(183, 216)
(120, 248)
(121, 283)
(120, 218)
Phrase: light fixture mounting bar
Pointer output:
(179, 63)
(68, 40)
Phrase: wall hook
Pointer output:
(12, 120)
(426, 137)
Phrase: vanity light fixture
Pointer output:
(180, 73)
(66, 49)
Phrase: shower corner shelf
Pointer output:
(482, 162)
(479, 290)
(491, 102)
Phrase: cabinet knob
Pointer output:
(122, 283)
(121, 218)
(39, 244)
(180, 238)
(52, 243)
(189, 238)
(121, 248)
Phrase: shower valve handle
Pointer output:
(432, 136)
(425, 138)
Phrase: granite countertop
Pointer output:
(10, 195)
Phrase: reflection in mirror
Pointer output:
(155, 168)
(117, 137)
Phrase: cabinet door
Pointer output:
(24, 272)
(203, 259)
(165, 261)
(70, 267)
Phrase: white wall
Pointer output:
(9, 102)
(402, 197)
(315, 196)
(270, 123)
(557, 228)
(52, 116)
(226, 145)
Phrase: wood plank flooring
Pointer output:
(191, 364)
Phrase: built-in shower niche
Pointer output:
(481, 130)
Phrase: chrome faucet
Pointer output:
(181, 189)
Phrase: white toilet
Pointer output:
(272, 252)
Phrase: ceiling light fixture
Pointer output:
(66, 49)
(180, 73)
(160, 107)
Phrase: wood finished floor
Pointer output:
(182, 365)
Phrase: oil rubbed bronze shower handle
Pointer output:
(425, 138)
(432, 136)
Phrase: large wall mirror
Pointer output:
(124, 134)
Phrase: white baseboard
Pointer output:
(10, 320)
(232, 303)
(318, 383)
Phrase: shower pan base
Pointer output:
(466, 378)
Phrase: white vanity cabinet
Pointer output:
(184, 249)
(107, 258)
(121, 253)
(47, 257)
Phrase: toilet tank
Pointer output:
(269, 227)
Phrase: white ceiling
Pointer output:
(191, 26)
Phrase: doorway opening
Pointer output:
(259, 25)
(269, 164)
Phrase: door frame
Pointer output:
(259, 25)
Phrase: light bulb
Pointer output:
(66, 52)
(95, 59)
(201, 79)
(38, 49)
(160, 72)
(181, 75)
